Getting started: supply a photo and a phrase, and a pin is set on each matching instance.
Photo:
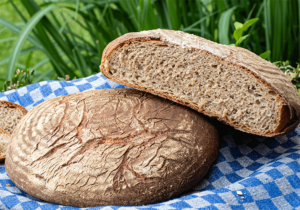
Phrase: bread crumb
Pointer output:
(225, 113)
(202, 103)
(8, 185)
(239, 192)
(106, 65)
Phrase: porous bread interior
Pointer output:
(217, 88)
(4, 142)
(9, 117)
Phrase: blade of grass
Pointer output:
(40, 64)
(148, 20)
(51, 51)
(183, 12)
(258, 14)
(167, 16)
(131, 9)
(8, 39)
(23, 52)
(25, 32)
(18, 30)
(299, 24)
(267, 21)
(78, 58)
(43, 76)
(56, 36)
(28, 60)
(223, 27)
(18, 11)
(172, 8)
(199, 31)
(200, 21)
(3, 29)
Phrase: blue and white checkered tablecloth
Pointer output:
(265, 170)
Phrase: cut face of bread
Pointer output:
(10, 115)
(4, 142)
(230, 83)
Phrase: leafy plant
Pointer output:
(240, 29)
(20, 79)
(265, 55)
(238, 34)
(291, 72)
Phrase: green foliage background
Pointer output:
(60, 37)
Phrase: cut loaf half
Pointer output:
(229, 83)
(4, 142)
(10, 115)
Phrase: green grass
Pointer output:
(8, 13)
(38, 58)
(69, 39)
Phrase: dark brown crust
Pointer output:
(248, 61)
(2, 157)
(14, 106)
(110, 147)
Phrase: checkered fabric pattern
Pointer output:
(251, 172)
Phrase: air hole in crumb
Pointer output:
(162, 45)
(215, 66)
(110, 72)
(257, 102)
(272, 93)
(140, 67)
(250, 91)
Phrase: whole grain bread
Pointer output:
(110, 147)
(229, 83)
(10, 115)
(4, 142)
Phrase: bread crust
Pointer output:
(266, 72)
(14, 106)
(110, 147)
(3, 132)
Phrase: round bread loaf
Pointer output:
(110, 147)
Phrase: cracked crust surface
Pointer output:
(262, 72)
(110, 147)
